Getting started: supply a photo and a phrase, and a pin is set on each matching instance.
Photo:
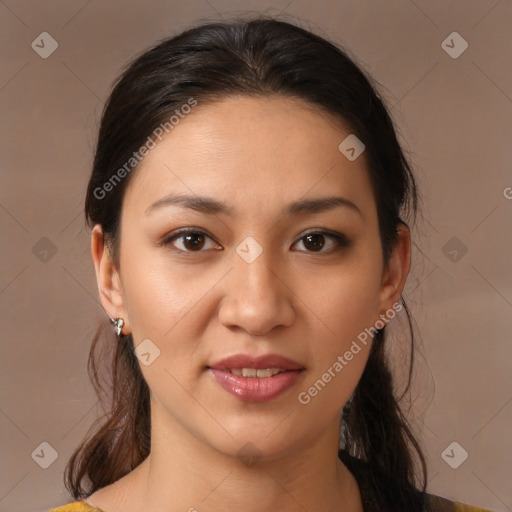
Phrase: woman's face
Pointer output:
(248, 179)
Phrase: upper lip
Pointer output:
(258, 363)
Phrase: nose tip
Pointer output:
(256, 300)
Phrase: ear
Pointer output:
(395, 272)
(108, 279)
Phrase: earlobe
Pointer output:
(107, 277)
(396, 271)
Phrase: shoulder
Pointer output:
(440, 504)
(76, 506)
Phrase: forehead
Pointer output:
(251, 151)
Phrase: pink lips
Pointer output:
(256, 389)
(258, 363)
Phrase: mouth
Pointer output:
(249, 363)
(256, 380)
(255, 373)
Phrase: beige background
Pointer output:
(455, 116)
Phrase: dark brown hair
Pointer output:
(257, 57)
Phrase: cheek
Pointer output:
(345, 303)
(341, 345)
(346, 299)
(171, 309)
(167, 302)
(154, 295)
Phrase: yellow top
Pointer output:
(440, 505)
(76, 506)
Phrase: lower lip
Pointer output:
(256, 389)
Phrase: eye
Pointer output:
(315, 241)
(191, 240)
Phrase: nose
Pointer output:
(256, 297)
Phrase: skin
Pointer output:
(256, 155)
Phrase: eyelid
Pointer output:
(341, 240)
(167, 239)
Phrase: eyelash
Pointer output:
(341, 240)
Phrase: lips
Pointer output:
(256, 379)
(240, 361)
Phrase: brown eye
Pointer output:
(314, 242)
(191, 241)
(323, 241)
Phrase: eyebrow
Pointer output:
(212, 206)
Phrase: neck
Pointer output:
(182, 472)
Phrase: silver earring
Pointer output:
(118, 325)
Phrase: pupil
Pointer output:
(314, 242)
(194, 241)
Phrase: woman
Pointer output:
(247, 205)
